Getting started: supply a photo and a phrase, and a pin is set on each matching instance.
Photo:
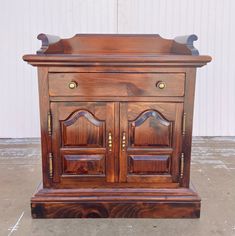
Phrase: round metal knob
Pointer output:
(161, 84)
(73, 85)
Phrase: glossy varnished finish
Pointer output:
(120, 209)
(121, 84)
(81, 131)
(116, 125)
(44, 111)
(151, 128)
(116, 203)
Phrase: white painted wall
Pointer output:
(212, 20)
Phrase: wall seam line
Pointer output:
(117, 17)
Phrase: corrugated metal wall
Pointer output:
(212, 20)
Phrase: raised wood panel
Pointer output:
(80, 141)
(84, 164)
(151, 130)
(156, 129)
(118, 84)
(83, 129)
(148, 164)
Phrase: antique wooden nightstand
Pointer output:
(116, 126)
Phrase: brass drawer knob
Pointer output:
(73, 85)
(161, 84)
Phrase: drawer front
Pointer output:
(116, 84)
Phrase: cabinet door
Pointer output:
(150, 141)
(82, 142)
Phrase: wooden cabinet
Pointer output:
(116, 126)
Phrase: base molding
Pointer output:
(116, 203)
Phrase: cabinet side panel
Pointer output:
(177, 142)
(188, 110)
(44, 110)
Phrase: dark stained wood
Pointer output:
(44, 110)
(121, 43)
(81, 182)
(116, 141)
(88, 50)
(118, 60)
(116, 84)
(84, 164)
(187, 137)
(157, 130)
(117, 99)
(116, 126)
(116, 203)
(86, 44)
(144, 134)
(87, 136)
(135, 68)
(83, 129)
(116, 210)
(148, 164)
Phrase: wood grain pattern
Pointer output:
(116, 210)
(110, 85)
(89, 125)
(148, 164)
(110, 49)
(84, 164)
(45, 109)
(187, 138)
(118, 138)
(157, 130)
(82, 129)
(150, 142)
(116, 203)
(86, 44)
(119, 60)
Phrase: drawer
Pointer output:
(116, 84)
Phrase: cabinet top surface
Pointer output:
(108, 48)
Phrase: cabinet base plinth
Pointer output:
(116, 203)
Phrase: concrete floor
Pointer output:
(213, 174)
